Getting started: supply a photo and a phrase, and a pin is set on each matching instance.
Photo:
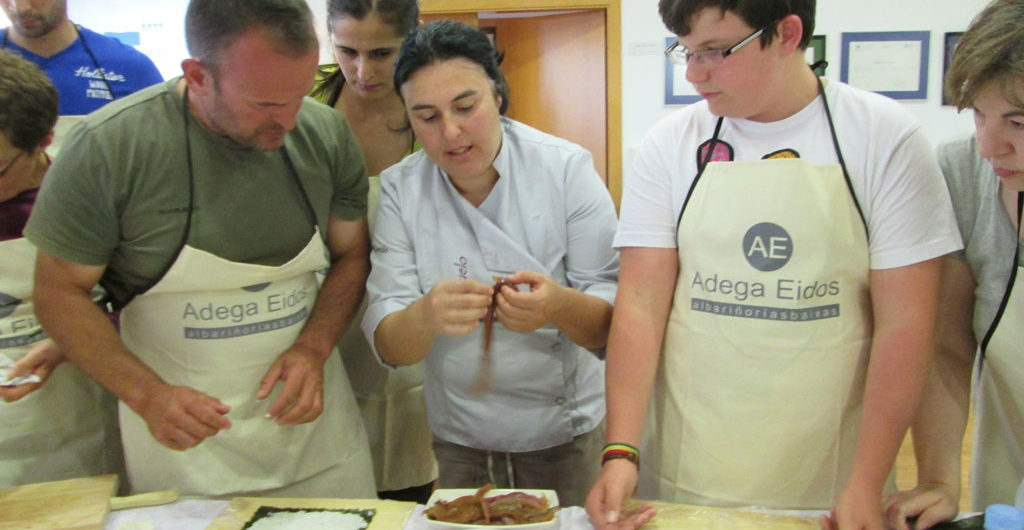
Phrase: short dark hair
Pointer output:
(212, 26)
(402, 15)
(448, 39)
(28, 102)
(992, 49)
(677, 14)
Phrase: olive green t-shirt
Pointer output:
(118, 193)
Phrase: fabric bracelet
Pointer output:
(632, 457)
(621, 447)
(620, 450)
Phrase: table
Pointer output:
(193, 514)
(197, 514)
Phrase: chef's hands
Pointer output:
(180, 417)
(455, 307)
(856, 509)
(929, 503)
(527, 311)
(41, 360)
(604, 503)
(302, 370)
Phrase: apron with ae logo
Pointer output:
(759, 392)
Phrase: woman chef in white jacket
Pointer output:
(489, 198)
(68, 428)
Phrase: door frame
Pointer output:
(613, 61)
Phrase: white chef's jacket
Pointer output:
(548, 212)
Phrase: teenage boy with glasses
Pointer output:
(779, 275)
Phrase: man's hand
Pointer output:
(181, 418)
(302, 399)
(929, 503)
(41, 360)
(604, 503)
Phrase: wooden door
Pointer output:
(563, 65)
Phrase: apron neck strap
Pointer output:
(115, 303)
(839, 152)
(1009, 284)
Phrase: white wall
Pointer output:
(160, 23)
(643, 77)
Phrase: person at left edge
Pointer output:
(68, 428)
(205, 206)
(88, 69)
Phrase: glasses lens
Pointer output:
(710, 58)
(678, 56)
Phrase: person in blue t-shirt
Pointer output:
(87, 68)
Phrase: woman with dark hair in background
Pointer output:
(491, 199)
(365, 38)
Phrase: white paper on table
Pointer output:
(885, 66)
(185, 514)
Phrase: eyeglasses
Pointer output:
(10, 163)
(708, 58)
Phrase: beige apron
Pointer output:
(999, 422)
(759, 391)
(391, 402)
(216, 326)
(68, 427)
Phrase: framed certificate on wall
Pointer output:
(949, 44)
(891, 63)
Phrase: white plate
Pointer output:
(450, 494)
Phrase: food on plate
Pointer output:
(511, 508)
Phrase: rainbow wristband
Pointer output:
(619, 450)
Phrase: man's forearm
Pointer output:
(89, 340)
(338, 300)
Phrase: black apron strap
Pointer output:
(114, 302)
(1009, 284)
(701, 165)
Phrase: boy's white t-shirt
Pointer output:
(892, 167)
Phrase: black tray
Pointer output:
(976, 522)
